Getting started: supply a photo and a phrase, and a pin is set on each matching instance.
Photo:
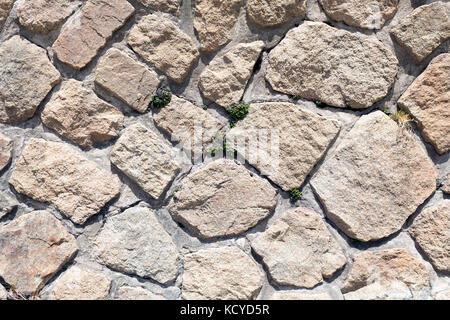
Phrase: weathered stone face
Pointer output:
(136, 243)
(224, 80)
(428, 101)
(220, 274)
(5, 7)
(3, 293)
(222, 199)
(424, 29)
(34, 247)
(6, 145)
(132, 293)
(169, 6)
(7, 204)
(371, 14)
(292, 295)
(75, 112)
(298, 250)
(145, 158)
(43, 16)
(125, 78)
(303, 138)
(446, 187)
(214, 22)
(268, 13)
(431, 231)
(388, 273)
(54, 172)
(377, 167)
(159, 42)
(87, 32)
(81, 283)
(339, 68)
(27, 77)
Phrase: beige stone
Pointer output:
(428, 101)
(267, 13)
(169, 6)
(296, 139)
(136, 243)
(431, 231)
(165, 46)
(393, 290)
(214, 22)
(43, 16)
(298, 249)
(132, 293)
(443, 295)
(222, 199)
(6, 145)
(220, 274)
(27, 77)
(190, 126)
(371, 14)
(7, 204)
(375, 180)
(334, 66)
(296, 295)
(424, 29)
(87, 31)
(5, 8)
(125, 78)
(54, 172)
(224, 80)
(34, 247)
(145, 158)
(3, 293)
(446, 186)
(75, 112)
(80, 282)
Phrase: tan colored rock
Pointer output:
(446, 187)
(136, 243)
(3, 293)
(222, 199)
(169, 6)
(383, 274)
(214, 22)
(443, 295)
(75, 112)
(267, 13)
(224, 80)
(27, 77)
(220, 274)
(339, 68)
(298, 249)
(6, 145)
(424, 29)
(159, 42)
(371, 14)
(375, 180)
(125, 78)
(145, 158)
(81, 283)
(34, 247)
(296, 139)
(431, 231)
(43, 16)
(428, 101)
(87, 31)
(5, 8)
(132, 293)
(295, 295)
(7, 204)
(54, 172)
(191, 126)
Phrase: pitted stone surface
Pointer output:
(267, 13)
(339, 68)
(169, 6)
(6, 145)
(3, 293)
(134, 293)
(446, 187)
(5, 8)
(293, 295)
(7, 204)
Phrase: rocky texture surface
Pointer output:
(145, 158)
(392, 290)
(362, 14)
(131, 293)
(301, 240)
(34, 247)
(125, 78)
(76, 113)
(224, 80)
(6, 145)
(302, 138)
(5, 8)
(54, 172)
(378, 166)
(88, 30)
(222, 199)
(169, 6)
(428, 101)
(288, 295)
(81, 283)
(446, 186)
(431, 230)
(220, 274)
(7, 204)
(162, 44)
(274, 13)
(3, 293)
(27, 77)
(136, 243)
(339, 68)
(424, 29)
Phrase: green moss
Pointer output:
(161, 98)
(296, 97)
(237, 113)
(295, 194)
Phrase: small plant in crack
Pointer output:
(296, 97)
(205, 107)
(161, 98)
(386, 111)
(318, 102)
(295, 194)
(237, 113)
(403, 119)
